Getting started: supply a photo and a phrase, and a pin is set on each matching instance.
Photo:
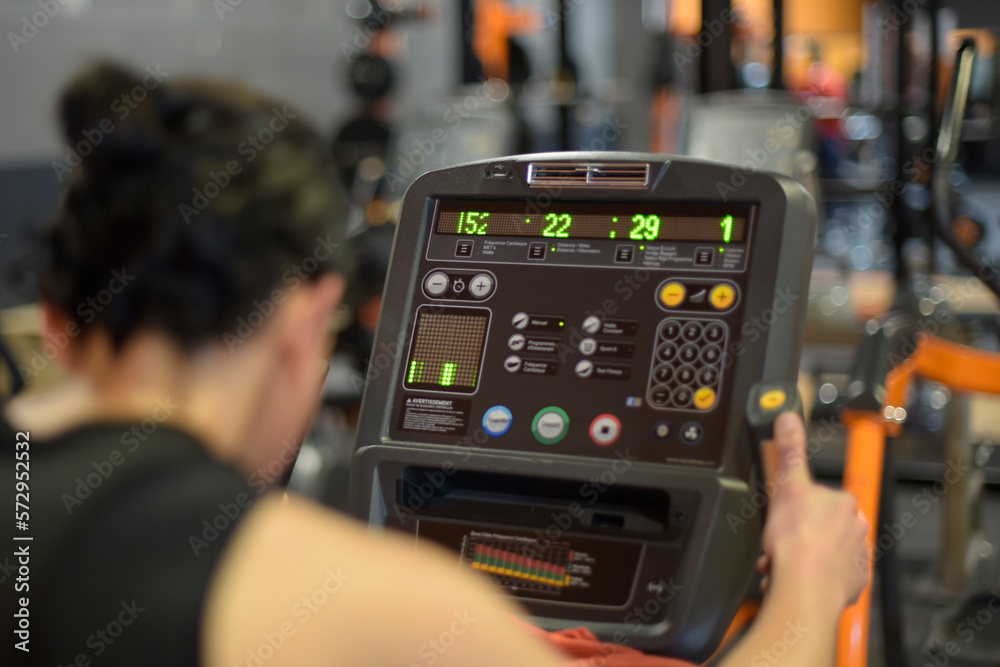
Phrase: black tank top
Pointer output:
(128, 523)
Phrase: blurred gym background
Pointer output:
(847, 96)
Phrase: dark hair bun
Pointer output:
(192, 201)
(111, 118)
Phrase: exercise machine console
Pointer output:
(561, 372)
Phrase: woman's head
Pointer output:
(206, 218)
(203, 198)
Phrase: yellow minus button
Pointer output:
(672, 294)
(772, 400)
(704, 398)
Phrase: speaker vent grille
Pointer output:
(575, 174)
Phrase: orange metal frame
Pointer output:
(958, 367)
(494, 23)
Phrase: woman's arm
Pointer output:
(813, 544)
(301, 585)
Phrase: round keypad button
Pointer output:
(666, 352)
(689, 353)
(691, 331)
(714, 332)
(711, 354)
(660, 396)
(707, 376)
(685, 374)
(682, 396)
(662, 374)
(670, 330)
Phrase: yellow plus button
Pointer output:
(722, 296)
(672, 294)
(704, 398)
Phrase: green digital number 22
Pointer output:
(554, 220)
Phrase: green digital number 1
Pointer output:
(727, 228)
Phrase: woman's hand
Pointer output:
(814, 537)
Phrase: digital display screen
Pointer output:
(636, 221)
(447, 349)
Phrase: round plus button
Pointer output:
(722, 296)
(550, 425)
(481, 286)
(605, 429)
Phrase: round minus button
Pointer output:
(605, 429)
(497, 420)
(550, 425)
(672, 294)
(660, 396)
(436, 283)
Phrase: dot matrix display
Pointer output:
(709, 223)
(447, 349)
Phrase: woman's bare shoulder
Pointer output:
(300, 584)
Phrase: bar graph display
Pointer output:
(447, 349)
(504, 563)
(571, 569)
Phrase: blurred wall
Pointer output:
(293, 49)
(290, 49)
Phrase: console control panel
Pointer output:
(535, 326)
(572, 341)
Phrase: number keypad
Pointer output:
(686, 371)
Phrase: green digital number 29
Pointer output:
(647, 227)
